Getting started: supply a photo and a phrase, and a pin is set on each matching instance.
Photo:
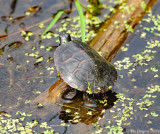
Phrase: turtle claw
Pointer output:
(89, 100)
(69, 94)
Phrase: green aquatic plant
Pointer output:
(82, 19)
(61, 12)
(55, 19)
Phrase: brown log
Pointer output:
(108, 41)
(52, 94)
(114, 32)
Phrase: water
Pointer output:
(23, 78)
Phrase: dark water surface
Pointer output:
(138, 63)
(23, 77)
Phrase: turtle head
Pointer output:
(64, 38)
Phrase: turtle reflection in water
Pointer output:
(76, 111)
(82, 68)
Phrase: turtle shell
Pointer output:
(83, 68)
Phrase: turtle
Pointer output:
(81, 67)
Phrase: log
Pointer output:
(50, 95)
(114, 32)
(108, 41)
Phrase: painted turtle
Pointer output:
(81, 67)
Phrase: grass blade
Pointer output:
(55, 19)
(82, 19)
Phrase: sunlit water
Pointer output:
(22, 78)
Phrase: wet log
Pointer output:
(51, 94)
(115, 30)
(108, 40)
